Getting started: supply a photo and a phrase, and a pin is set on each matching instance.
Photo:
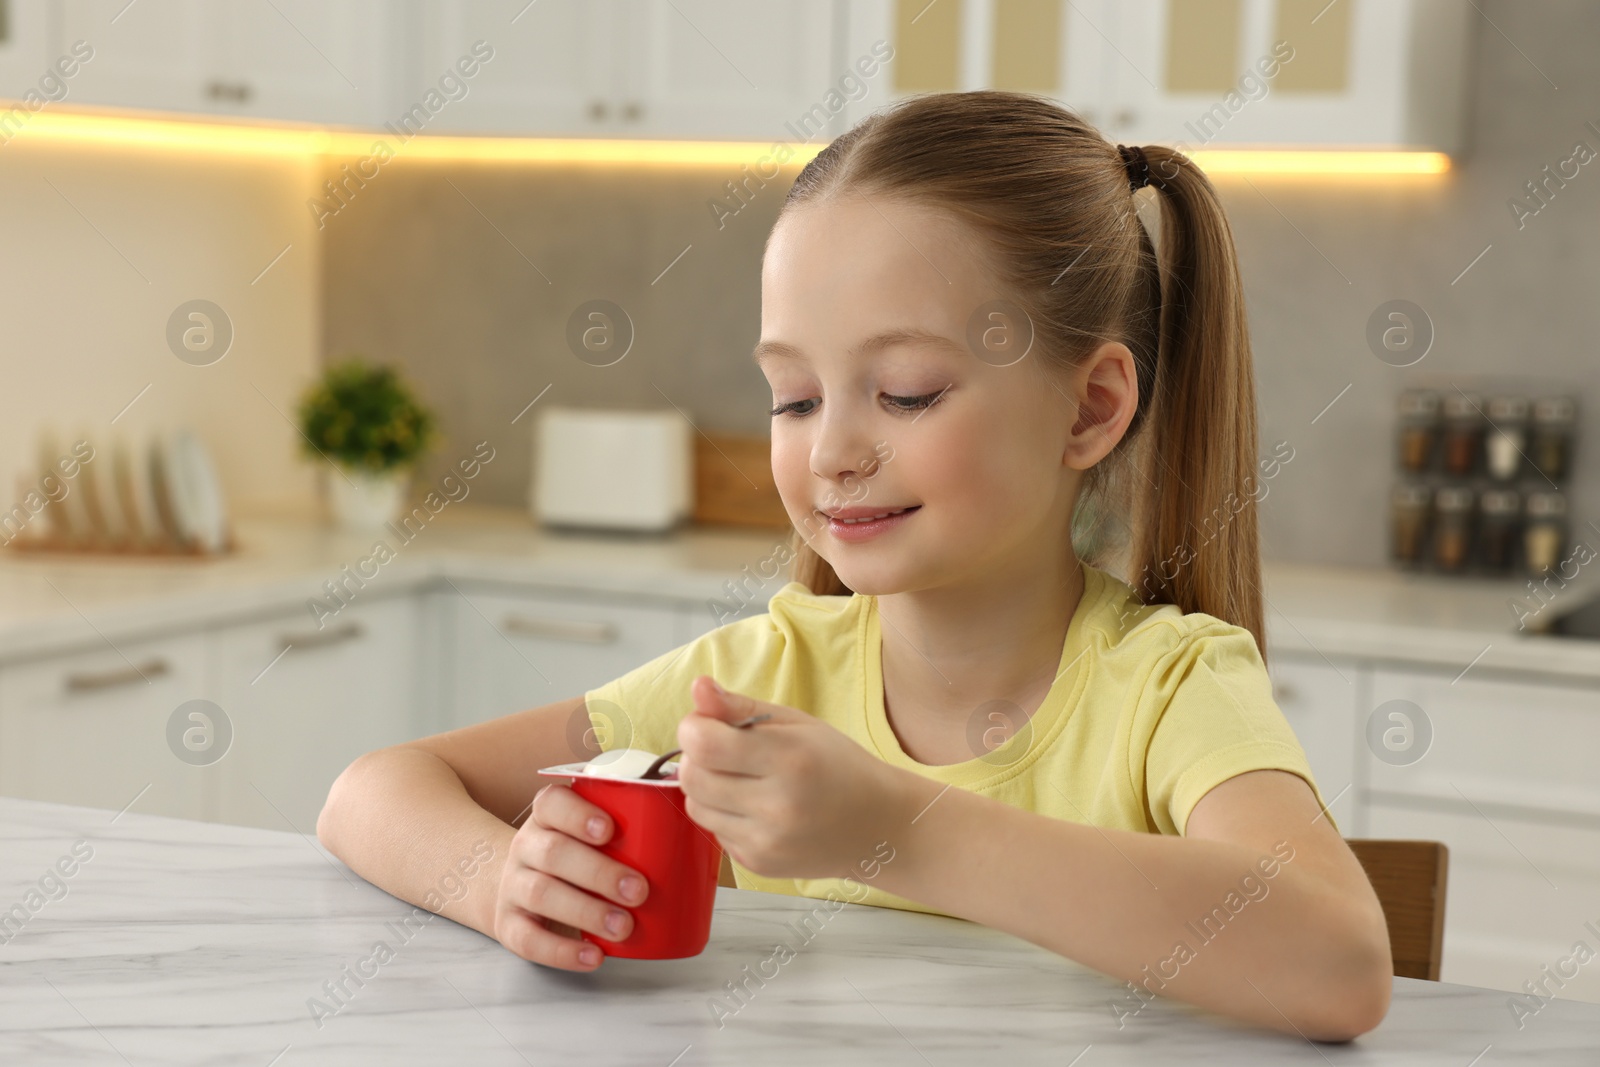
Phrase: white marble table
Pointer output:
(186, 943)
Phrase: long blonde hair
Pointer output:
(1051, 195)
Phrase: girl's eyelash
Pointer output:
(916, 403)
(896, 403)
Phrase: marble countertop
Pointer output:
(179, 942)
(58, 602)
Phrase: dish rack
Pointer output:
(162, 500)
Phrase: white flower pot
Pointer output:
(365, 500)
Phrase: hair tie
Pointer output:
(1137, 166)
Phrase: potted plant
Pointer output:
(366, 420)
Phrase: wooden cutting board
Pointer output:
(733, 482)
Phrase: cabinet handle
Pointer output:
(598, 110)
(233, 92)
(321, 638)
(632, 111)
(1284, 692)
(593, 633)
(1122, 118)
(81, 681)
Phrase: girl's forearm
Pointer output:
(1197, 920)
(401, 819)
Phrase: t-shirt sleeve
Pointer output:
(642, 708)
(1214, 719)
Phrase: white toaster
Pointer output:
(622, 470)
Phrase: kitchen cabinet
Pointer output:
(91, 727)
(332, 62)
(1320, 701)
(648, 68)
(305, 701)
(1363, 72)
(515, 650)
(1052, 48)
(1520, 892)
(26, 37)
(1507, 782)
(294, 704)
(1359, 73)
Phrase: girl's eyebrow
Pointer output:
(766, 350)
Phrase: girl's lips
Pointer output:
(866, 529)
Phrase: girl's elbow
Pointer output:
(1356, 998)
(1355, 1010)
(332, 814)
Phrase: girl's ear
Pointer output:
(1105, 386)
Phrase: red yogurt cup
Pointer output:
(679, 859)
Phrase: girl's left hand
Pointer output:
(791, 797)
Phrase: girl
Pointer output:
(974, 353)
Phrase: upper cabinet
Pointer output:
(633, 68)
(26, 36)
(340, 63)
(1198, 73)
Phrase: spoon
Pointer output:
(654, 770)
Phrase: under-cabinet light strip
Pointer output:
(18, 124)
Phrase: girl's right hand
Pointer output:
(555, 883)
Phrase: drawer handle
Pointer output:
(593, 633)
(321, 638)
(1283, 691)
(233, 92)
(81, 681)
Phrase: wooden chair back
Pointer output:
(1409, 878)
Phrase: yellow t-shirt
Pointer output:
(1150, 709)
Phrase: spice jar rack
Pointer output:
(1481, 481)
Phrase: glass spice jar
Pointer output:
(1554, 418)
(1452, 527)
(1419, 430)
(1408, 525)
(1499, 522)
(1544, 533)
(1507, 437)
(1463, 434)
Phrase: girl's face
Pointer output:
(883, 406)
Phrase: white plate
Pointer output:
(212, 511)
(196, 497)
(159, 479)
(136, 493)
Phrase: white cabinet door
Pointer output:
(1517, 897)
(709, 69)
(305, 702)
(91, 728)
(519, 650)
(26, 55)
(1502, 770)
(1385, 73)
(331, 62)
(552, 70)
(1483, 739)
(153, 54)
(1320, 702)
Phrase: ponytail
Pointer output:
(1196, 541)
(1051, 194)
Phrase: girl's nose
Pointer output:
(842, 451)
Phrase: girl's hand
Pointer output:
(555, 882)
(788, 798)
